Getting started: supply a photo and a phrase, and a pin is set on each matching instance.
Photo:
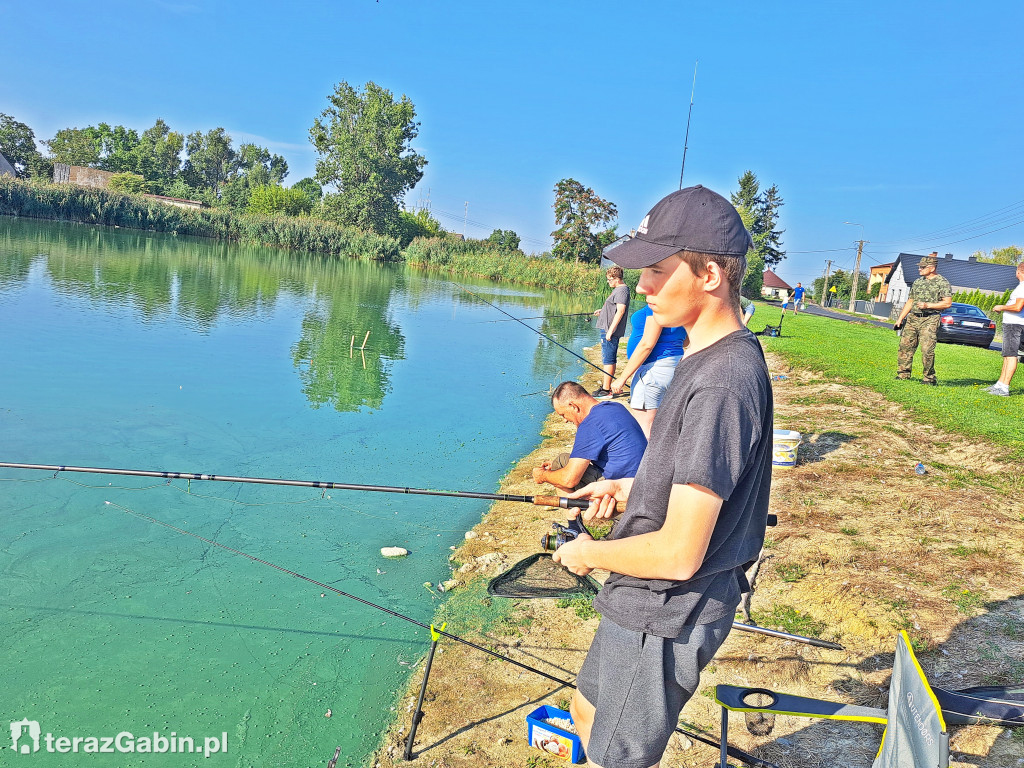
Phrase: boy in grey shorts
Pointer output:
(698, 506)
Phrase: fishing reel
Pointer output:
(560, 534)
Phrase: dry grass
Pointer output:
(865, 547)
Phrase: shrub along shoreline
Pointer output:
(66, 202)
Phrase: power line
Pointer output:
(1013, 211)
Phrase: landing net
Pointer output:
(538, 576)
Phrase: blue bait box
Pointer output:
(550, 738)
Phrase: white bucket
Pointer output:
(784, 445)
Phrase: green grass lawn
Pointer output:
(866, 355)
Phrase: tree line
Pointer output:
(366, 164)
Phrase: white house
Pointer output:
(963, 275)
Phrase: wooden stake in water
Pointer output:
(365, 338)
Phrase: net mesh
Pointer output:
(759, 723)
(538, 576)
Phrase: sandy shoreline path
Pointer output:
(865, 548)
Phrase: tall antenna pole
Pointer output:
(686, 140)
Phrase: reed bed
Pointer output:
(66, 202)
(478, 259)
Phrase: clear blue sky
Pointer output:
(903, 117)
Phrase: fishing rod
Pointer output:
(739, 754)
(513, 317)
(540, 501)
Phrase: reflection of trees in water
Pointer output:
(16, 254)
(330, 363)
(203, 282)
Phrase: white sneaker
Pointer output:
(995, 389)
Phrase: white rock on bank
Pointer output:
(394, 551)
(471, 534)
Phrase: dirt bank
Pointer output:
(865, 547)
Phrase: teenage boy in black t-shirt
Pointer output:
(698, 506)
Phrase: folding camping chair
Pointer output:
(771, 330)
(915, 731)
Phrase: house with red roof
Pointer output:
(773, 285)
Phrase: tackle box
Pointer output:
(550, 738)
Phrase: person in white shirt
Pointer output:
(1013, 335)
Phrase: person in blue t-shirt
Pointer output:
(798, 298)
(609, 442)
(654, 352)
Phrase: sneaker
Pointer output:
(930, 383)
(998, 391)
(902, 378)
(991, 388)
(601, 392)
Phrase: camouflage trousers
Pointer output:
(921, 330)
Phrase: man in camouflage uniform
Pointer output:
(929, 295)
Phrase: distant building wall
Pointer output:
(83, 177)
(175, 201)
(6, 169)
(878, 275)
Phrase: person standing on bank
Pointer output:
(929, 295)
(1013, 336)
(798, 297)
(654, 352)
(611, 318)
(698, 506)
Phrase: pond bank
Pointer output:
(865, 548)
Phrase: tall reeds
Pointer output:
(67, 202)
(476, 258)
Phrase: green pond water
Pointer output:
(128, 349)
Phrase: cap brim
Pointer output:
(638, 254)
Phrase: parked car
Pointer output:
(966, 324)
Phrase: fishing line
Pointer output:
(513, 317)
(734, 752)
(537, 317)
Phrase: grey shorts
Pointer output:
(1013, 339)
(639, 683)
(650, 382)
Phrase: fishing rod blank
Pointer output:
(739, 754)
(541, 501)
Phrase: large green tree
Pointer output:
(18, 145)
(843, 282)
(504, 239)
(364, 139)
(159, 154)
(211, 160)
(76, 146)
(580, 215)
(1011, 254)
(763, 208)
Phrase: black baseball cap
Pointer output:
(692, 219)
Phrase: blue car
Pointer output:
(966, 324)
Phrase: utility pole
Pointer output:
(856, 275)
(465, 221)
(686, 140)
(824, 287)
